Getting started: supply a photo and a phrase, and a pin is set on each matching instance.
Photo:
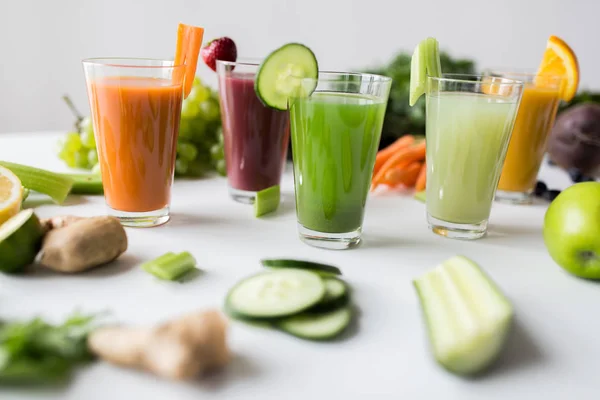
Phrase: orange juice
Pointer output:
(527, 146)
(136, 123)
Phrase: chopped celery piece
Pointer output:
(267, 201)
(86, 183)
(170, 266)
(55, 185)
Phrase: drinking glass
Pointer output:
(468, 126)
(136, 107)
(255, 136)
(535, 118)
(335, 136)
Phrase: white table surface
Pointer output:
(553, 352)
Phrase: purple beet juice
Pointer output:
(255, 136)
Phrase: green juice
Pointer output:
(335, 137)
(467, 138)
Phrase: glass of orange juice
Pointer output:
(136, 107)
(535, 118)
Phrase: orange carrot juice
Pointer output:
(136, 121)
(527, 146)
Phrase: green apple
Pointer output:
(572, 230)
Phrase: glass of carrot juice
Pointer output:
(136, 106)
(535, 118)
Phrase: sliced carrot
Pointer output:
(422, 179)
(405, 155)
(384, 154)
(189, 41)
(406, 176)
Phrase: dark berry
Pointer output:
(575, 174)
(540, 188)
(550, 195)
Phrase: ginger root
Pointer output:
(75, 244)
(180, 349)
(58, 222)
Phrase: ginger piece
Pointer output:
(181, 349)
(79, 244)
(58, 222)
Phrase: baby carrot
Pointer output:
(384, 154)
(422, 179)
(406, 176)
(405, 155)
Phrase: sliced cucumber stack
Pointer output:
(467, 317)
(20, 241)
(297, 300)
(321, 269)
(280, 75)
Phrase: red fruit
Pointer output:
(218, 49)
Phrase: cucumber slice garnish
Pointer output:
(337, 294)
(267, 201)
(321, 269)
(20, 241)
(317, 326)
(274, 294)
(425, 62)
(280, 75)
(467, 317)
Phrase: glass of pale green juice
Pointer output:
(335, 136)
(469, 123)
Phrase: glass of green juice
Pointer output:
(469, 123)
(335, 135)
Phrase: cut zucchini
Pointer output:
(280, 75)
(321, 269)
(20, 241)
(467, 317)
(275, 294)
(337, 294)
(267, 201)
(317, 326)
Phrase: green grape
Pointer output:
(221, 168)
(197, 82)
(73, 142)
(92, 157)
(181, 167)
(199, 94)
(68, 157)
(86, 125)
(216, 152)
(185, 129)
(96, 169)
(209, 110)
(196, 168)
(189, 109)
(88, 140)
(187, 151)
(197, 131)
(81, 159)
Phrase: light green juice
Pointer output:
(467, 138)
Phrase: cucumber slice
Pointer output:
(468, 318)
(421, 196)
(337, 294)
(267, 201)
(317, 326)
(20, 241)
(321, 269)
(425, 62)
(275, 294)
(279, 76)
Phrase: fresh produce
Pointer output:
(170, 266)
(279, 76)
(421, 196)
(574, 142)
(20, 241)
(189, 42)
(82, 244)
(181, 349)
(400, 117)
(425, 62)
(57, 186)
(467, 317)
(401, 164)
(299, 297)
(267, 201)
(223, 49)
(318, 268)
(37, 352)
(86, 184)
(572, 230)
(559, 59)
(11, 195)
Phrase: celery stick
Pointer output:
(170, 266)
(267, 201)
(86, 183)
(55, 185)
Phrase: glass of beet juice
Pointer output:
(255, 136)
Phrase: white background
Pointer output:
(43, 41)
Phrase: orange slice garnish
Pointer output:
(560, 59)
